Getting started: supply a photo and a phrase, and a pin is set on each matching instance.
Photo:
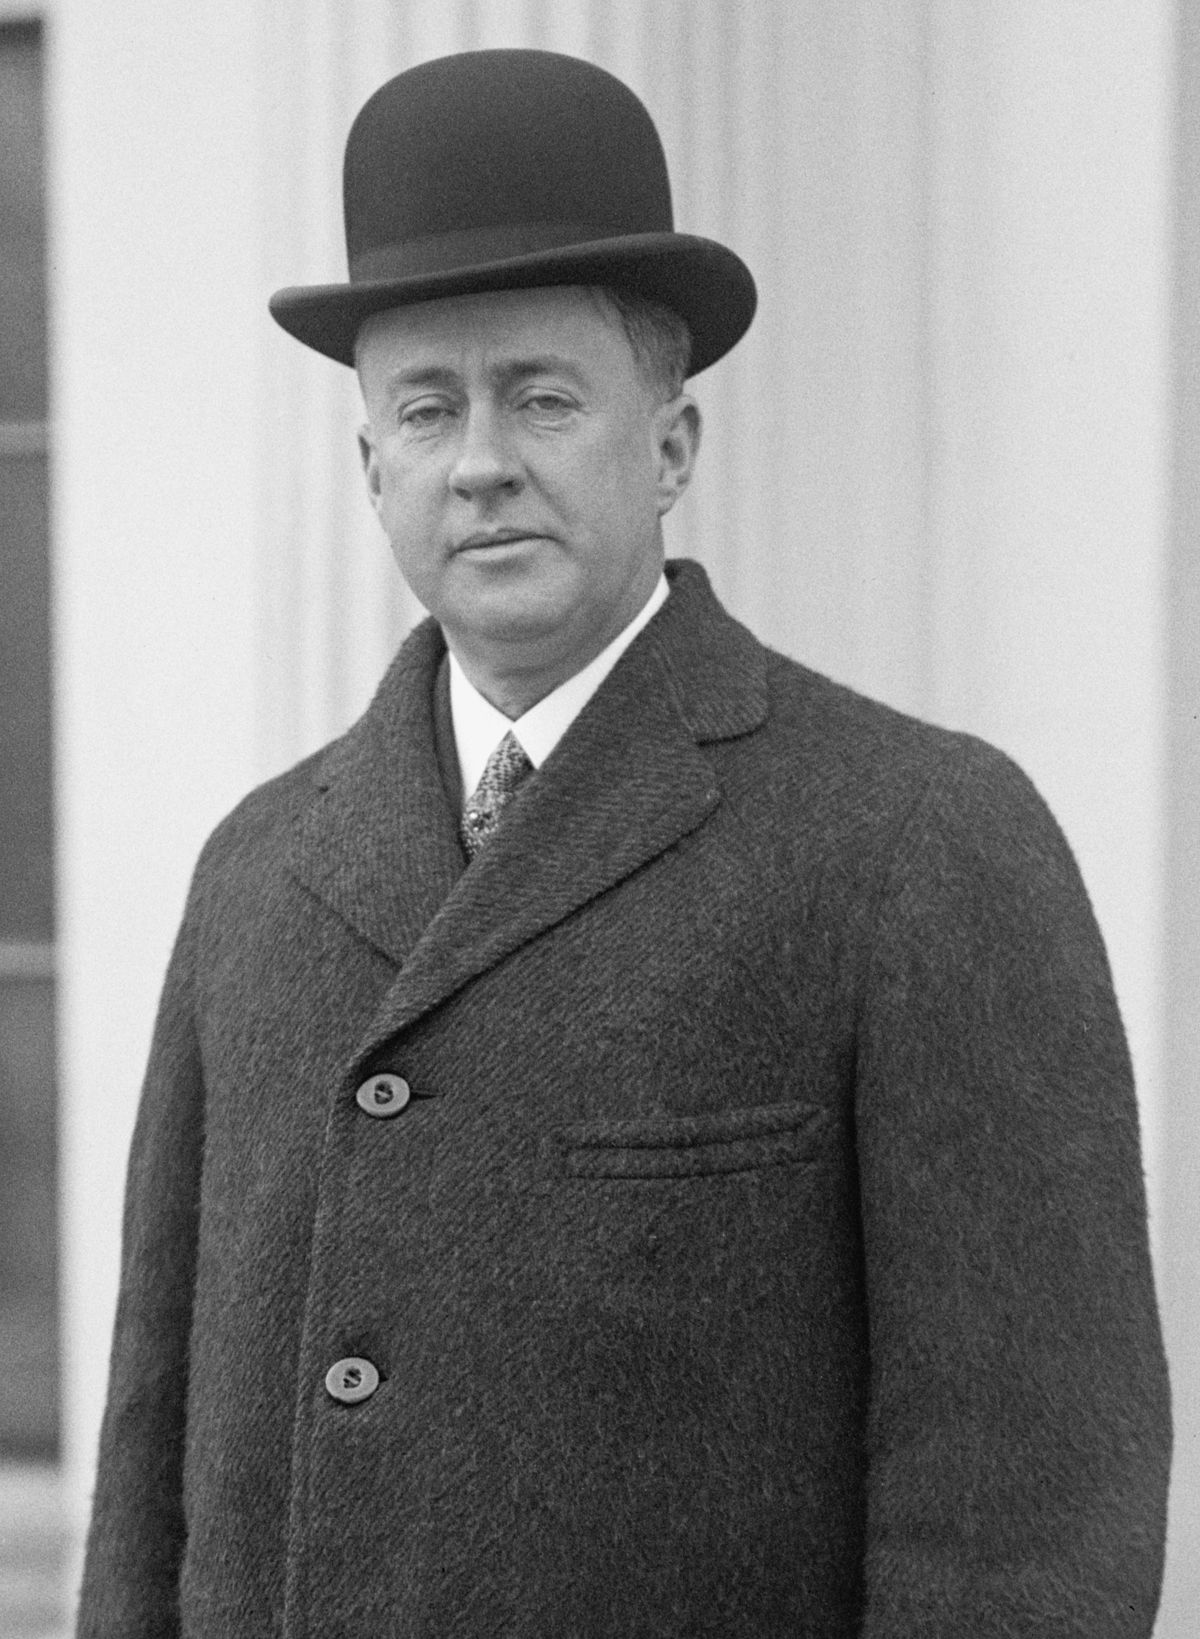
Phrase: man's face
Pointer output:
(520, 466)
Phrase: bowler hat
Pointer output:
(505, 170)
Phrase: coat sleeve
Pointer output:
(1019, 1426)
(135, 1543)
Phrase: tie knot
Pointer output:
(502, 774)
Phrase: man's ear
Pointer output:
(677, 433)
(370, 463)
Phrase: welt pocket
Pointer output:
(688, 1146)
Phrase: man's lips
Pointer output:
(484, 539)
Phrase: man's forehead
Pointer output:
(567, 320)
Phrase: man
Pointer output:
(639, 1139)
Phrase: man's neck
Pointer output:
(516, 678)
(516, 691)
(479, 725)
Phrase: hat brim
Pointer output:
(706, 283)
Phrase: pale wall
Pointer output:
(157, 513)
(936, 468)
(1180, 1171)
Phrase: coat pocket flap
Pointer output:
(683, 1146)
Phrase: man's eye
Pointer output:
(422, 417)
(547, 405)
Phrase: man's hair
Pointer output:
(659, 339)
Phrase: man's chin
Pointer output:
(512, 593)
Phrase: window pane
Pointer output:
(26, 904)
(28, 1331)
(29, 1388)
(22, 247)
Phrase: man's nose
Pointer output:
(485, 460)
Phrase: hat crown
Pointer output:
(513, 170)
(502, 143)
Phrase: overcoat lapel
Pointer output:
(378, 844)
(626, 782)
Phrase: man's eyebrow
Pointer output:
(420, 375)
(538, 364)
(504, 372)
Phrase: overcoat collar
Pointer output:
(379, 845)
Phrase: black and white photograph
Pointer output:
(599, 819)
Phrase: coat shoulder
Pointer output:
(794, 731)
(242, 859)
(269, 810)
(887, 763)
(258, 827)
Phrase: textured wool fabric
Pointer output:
(762, 1250)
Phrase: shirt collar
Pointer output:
(479, 727)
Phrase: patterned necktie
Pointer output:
(503, 772)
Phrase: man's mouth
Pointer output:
(484, 539)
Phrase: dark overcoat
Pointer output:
(762, 1250)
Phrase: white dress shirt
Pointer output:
(479, 727)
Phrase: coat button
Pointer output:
(383, 1095)
(351, 1380)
